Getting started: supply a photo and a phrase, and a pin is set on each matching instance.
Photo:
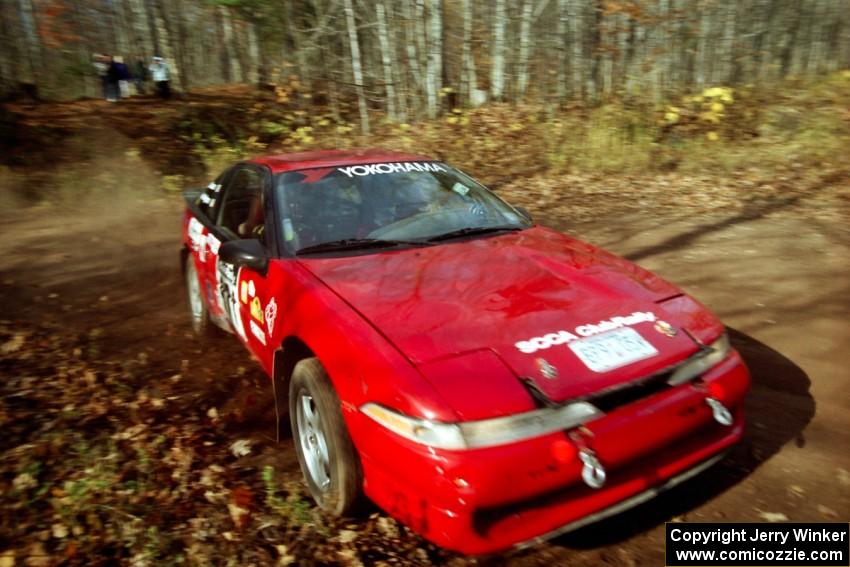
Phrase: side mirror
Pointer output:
(248, 252)
(524, 212)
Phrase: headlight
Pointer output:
(486, 432)
(716, 352)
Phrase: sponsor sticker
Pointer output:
(257, 309)
(271, 313)
(243, 292)
(227, 278)
(257, 332)
(562, 337)
(213, 244)
(397, 167)
(195, 232)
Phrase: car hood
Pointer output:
(492, 293)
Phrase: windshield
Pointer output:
(406, 203)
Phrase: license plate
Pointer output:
(612, 349)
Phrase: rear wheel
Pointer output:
(325, 452)
(198, 313)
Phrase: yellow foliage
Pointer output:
(717, 107)
(451, 120)
(716, 92)
(712, 136)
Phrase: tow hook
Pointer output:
(593, 474)
(721, 414)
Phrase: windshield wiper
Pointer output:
(354, 244)
(472, 230)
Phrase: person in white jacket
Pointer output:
(159, 74)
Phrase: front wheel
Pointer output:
(325, 452)
(198, 313)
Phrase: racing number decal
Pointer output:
(228, 278)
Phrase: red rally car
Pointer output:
(487, 381)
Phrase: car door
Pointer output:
(244, 293)
(203, 243)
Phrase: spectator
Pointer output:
(159, 73)
(140, 75)
(113, 76)
(123, 77)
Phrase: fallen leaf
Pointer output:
(388, 527)
(350, 557)
(24, 481)
(59, 531)
(773, 516)
(347, 536)
(37, 556)
(241, 447)
(14, 344)
(241, 500)
(827, 512)
(285, 557)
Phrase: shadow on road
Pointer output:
(778, 409)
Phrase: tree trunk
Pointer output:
(497, 68)
(577, 42)
(354, 47)
(257, 55)
(561, 46)
(703, 46)
(435, 56)
(386, 59)
(469, 81)
(233, 64)
(524, 47)
(410, 40)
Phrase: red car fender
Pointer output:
(361, 363)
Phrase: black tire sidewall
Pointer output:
(345, 491)
(201, 326)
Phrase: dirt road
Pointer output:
(778, 275)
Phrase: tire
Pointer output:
(199, 316)
(328, 459)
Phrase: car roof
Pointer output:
(334, 158)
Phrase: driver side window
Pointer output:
(242, 212)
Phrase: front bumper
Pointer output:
(486, 500)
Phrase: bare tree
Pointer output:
(524, 47)
(357, 71)
(497, 69)
(404, 52)
(435, 55)
(386, 59)
(469, 81)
